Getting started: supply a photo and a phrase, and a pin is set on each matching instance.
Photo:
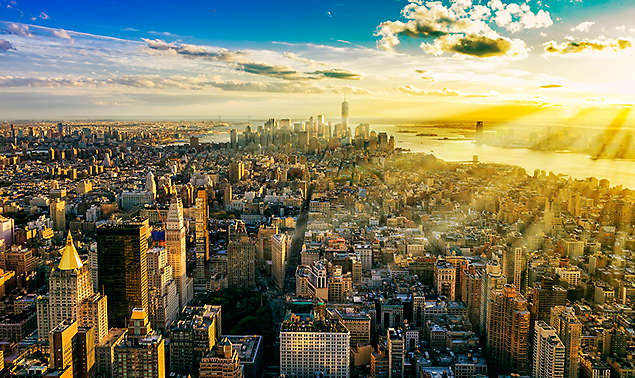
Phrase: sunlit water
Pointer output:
(619, 172)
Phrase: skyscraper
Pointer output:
(345, 114)
(241, 260)
(69, 284)
(177, 258)
(71, 297)
(163, 297)
(548, 352)
(142, 353)
(122, 259)
(569, 329)
(151, 185)
(57, 211)
(508, 330)
(201, 275)
(193, 336)
(278, 258)
(396, 353)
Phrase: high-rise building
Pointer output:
(546, 295)
(313, 344)
(396, 353)
(201, 214)
(508, 331)
(548, 352)
(93, 313)
(221, 362)
(61, 346)
(569, 329)
(345, 114)
(193, 336)
(514, 263)
(241, 260)
(236, 171)
(57, 212)
(72, 350)
(151, 185)
(163, 297)
(69, 284)
(177, 258)
(493, 279)
(105, 352)
(123, 273)
(142, 352)
(279, 246)
(71, 297)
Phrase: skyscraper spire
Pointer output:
(70, 259)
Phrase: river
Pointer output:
(618, 172)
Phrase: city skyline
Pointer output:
(424, 60)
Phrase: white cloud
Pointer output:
(463, 27)
(583, 27)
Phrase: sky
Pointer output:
(417, 59)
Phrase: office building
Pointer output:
(569, 329)
(508, 331)
(193, 336)
(221, 362)
(142, 352)
(396, 353)
(201, 234)
(177, 258)
(313, 344)
(122, 259)
(57, 211)
(241, 260)
(163, 297)
(548, 356)
(279, 245)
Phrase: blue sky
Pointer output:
(204, 58)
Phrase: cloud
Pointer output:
(414, 91)
(548, 86)
(193, 50)
(337, 74)
(18, 29)
(301, 59)
(583, 27)
(61, 33)
(571, 46)
(463, 27)
(277, 71)
(477, 46)
(181, 82)
(5, 45)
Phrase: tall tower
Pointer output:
(569, 329)
(175, 242)
(202, 240)
(241, 260)
(278, 258)
(69, 284)
(508, 331)
(345, 114)
(57, 212)
(151, 185)
(548, 217)
(123, 273)
(548, 352)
